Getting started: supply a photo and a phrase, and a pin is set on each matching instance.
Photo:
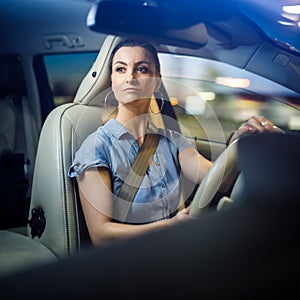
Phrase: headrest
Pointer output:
(97, 79)
(270, 163)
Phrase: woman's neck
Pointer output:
(134, 120)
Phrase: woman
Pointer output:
(105, 157)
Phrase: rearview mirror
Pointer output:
(146, 20)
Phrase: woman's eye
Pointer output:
(120, 69)
(142, 69)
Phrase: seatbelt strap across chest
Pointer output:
(135, 175)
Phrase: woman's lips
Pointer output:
(130, 90)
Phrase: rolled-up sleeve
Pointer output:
(90, 154)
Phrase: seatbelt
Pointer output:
(30, 131)
(26, 134)
(135, 176)
(31, 138)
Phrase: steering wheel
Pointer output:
(219, 172)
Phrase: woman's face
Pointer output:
(134, 75)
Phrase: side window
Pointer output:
(211, 98)
(65, 73)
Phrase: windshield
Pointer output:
(202, 89)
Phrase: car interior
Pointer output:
(39, 138)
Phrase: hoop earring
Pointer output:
(161, 105)
(106, 97)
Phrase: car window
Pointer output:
(209, 95)
(65, 73)
(209, 98)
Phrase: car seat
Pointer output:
(55, 217)
(56, 226)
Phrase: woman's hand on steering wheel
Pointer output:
(256, 124)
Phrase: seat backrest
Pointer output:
(53, 191)
(56, 219)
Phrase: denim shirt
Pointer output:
(113, 147)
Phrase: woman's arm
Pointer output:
(195, 166)
(96, 200)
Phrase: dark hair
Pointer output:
(136, 43)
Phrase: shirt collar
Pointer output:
(118, 130)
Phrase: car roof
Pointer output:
(26, 24)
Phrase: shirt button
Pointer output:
(163, 186)
(157, 163)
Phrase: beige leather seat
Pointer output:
(62, 134)
(57, 227)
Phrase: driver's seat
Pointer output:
(54, 194)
